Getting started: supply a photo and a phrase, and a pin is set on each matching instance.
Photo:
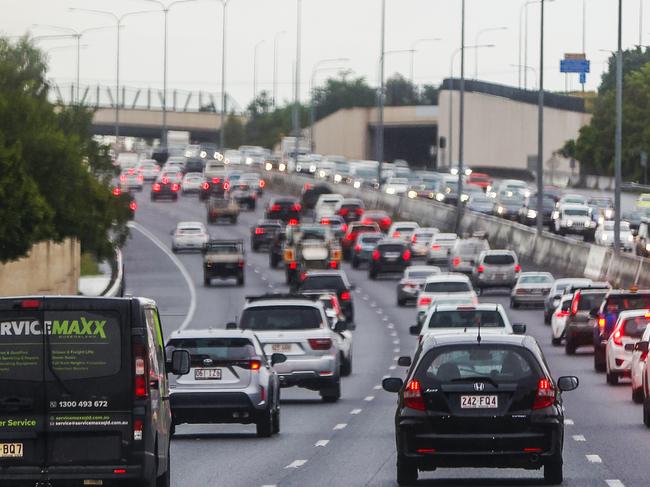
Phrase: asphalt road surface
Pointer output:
(351, 443)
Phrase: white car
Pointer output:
(131, 179)
(573, 219)
(325, 170)
(628, 330)
(149, 169)
(559, 317)
(192, 182)
(605, 235)
(403, 230)
(327, 205)
(449, 319)
(189, 236)
(420, 240)
(233, 157)
(439, 247)
(395, 185)
(639, 359)
(451, 285)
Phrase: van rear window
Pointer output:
(499, 259)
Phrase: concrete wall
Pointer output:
(500, 132)
(50, 268)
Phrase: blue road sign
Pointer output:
(583, 78)
(574, 66)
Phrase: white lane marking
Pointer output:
(178, 264)
(396, 350)
(322, 443)
(393, 333)
(369, 398)
(270, 286)
(256, 270)
(269, 485)
(579, 438)
(594, 458)
(373, 305)
(340, 426)
(391, 326)
(296, 464)
(614, 483)
(395, 342)
(377, 387)
(358, 291)
(392, 367)
(385, 376)
(385, 318)
(365, 298)
(264, 278)
(569, 421)
(380, 311)
(356, 411)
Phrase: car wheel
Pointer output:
(547, 318)
(646, 412)
(264, 425)
(355, 263)
(174, 249)
(599, 362)
(556, 342)
(240, 280)
(514, 304)
(553, 467)
(612, 378)
(331, 393)
(372, 275)
(254, 247)
(273, 261)
(206, 281)
(637, 395)
(346, 366)
(401, 302)
(569, 347)
(165, 480)
(479, 291)
(407, 473)
(276, 421)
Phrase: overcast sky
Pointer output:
(331, 29)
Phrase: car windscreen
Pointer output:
(535, 280)
(311, 283)
(576, 212)
(494, 362)
(447, 287)
(466, 319)
(498, 259)
(263, 318)
(217, 349)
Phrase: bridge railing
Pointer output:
(103, 96)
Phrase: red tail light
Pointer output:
(117, 191)
(133, 205)
(241, 264)
(376, 255)
(119, 471)
(357, 248)
(435, 247)
(175, 187)
(138, 430)
(414, 239)
(413, 395)
(359, 211)
(216, 180)
(345, 296)
(165, 180)
(424, 301)
(206, 186)
(406, 255)
(293, 221)
(324, 221)
(517, 268)
(140, 371)
(276, 208)
(343, 211)
(545, 394)
(259, 231)
(350, 236)
(562, 314)
(293, 265)
(296, 207)
(156, 187)
(30, 304)
(575, 302)
(456, 261)
(334, 265)
(385, 221)
(344, 227)
(226, 186)
(307, 186)
(396, 234)
(140, 177)
(320, 343)
(262, 183)
(480, 269)
(122, 177)
(618, 338)
(255, 364)
(303, 276)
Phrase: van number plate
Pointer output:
(479, 402)
(207, 374)
(11, 450)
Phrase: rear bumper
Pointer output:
(215, 407)
(386, 268)
(222, 271)
(579, 335)
(308, 372)
(538, 299)
(76, 472)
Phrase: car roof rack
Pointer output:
(281, 296)
(225, 241)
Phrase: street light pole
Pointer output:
(619, 132)
(461, 116)
(255, 69)
(413, 50)
(540, 129)
(222, 129)
(379, 133)
(275, 64)
(524, 10)
(312, 106)
(476, 39)
(296, 105)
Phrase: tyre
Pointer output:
(273, 261)
(206, 281)
(254, 247)
(646, 412)
(346, 366)
(331, 393)
(569, 347)
(547, 318)
(401, 302)
(553, 468)
(637, 395)
(276, 421)
(612, 378)
(240, 280)
(599, 361)
(514, 304)
(556, 342)
(355, 262)
(174, 249)
(165, 480)
(372, 275)
(233, 220)
(264, 425)
(407, 473)
(479, 291)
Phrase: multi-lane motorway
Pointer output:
(351, 443)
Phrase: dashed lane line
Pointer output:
(369, 398)
(579, 438)
(377, 387)
(296, 464)
(569, 422)
(594, 458)
(614, 483)
(356, 411)
(392, 367)
(322, 443)
(340, 426)
(396, 350)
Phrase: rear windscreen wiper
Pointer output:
(476, 379)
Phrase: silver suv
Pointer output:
(298, 328)
(231, 380)
(495, 268)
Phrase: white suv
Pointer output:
(298, 328)
(444, 286)
(574, 219)
(189, 236)
(628, 330)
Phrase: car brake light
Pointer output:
(545, 394)
(30, 304)
(216, 180)
(293, 265)
(156, 187)
(117, 191)
(119, 471)
(122, 177)
(396, 234)
(345, 296)
(138, 428)
(205, 186)
(562, 314)
(140, 177)
(293, 221)
(517, 268)
(307, 186)
(296, 207)
(359, 211)
(618, 338)
(133, 205)
(406, 255)
(276, 208)
(175, 187)
(344, 227)
(334, 265)
(414, 239)
(226, 186)
(424, 301)
(413, 395)
(376, 255)
(385, 221)
(320, 343)
(480, 269)
(435, 247)
(241, 264)
(262, 183)
(259, 231)
(357, 248)
(255, 364)
(324, 221)
(140, 371)
(350, 236)
(575, 303)
(343, 211)
(456, 261)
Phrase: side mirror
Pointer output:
(414, 330)
(231, 326)
(519, 329)
(278, 358)
(593, 313)
(404, 361)
(568, 383)
(180, 362)
(641, 347)
(392, 384)
(340, 326)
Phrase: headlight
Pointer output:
(390, 190)
(226, 161)
(454, 171)
(464, 197)
(188, 153)
(282, 166)
(268, 166)
(556, 215)
(647, 247)
(249, 160)
(468, 172)
(527, 193)
(312, 169)
(569, 223)
(338, 178)
(321, 174)
(203, 154)
(218, 156)
(604, 237)
(357, 184)
(440, 197)
(609, 213)
(500, 210)
(630, 238)
(532, 214)
(412, 194)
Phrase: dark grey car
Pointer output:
(412, 281)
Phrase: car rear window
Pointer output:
(363, 228)
(391, 248)
(628, 301)
(535, 280)
(419, 274)
(498, 363)
(214, 348)
(311, 283)
(371, 240)
(265, 318)
(447, 287)
(499, 259)
(634, 327)
(590, 301)
(466, 319)
(213, 248)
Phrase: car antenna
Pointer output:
(478, 335)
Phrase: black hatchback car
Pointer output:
(263, 234)
(469, 402)
(390, 256)
(334, 281)
(286, 209)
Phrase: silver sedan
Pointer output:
(412, 281)
(531, 288)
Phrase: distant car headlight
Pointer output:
(268, 166)
(188, 153)
(500, 210)
(468, 172)
(556, 302)
(630, 238)
(390, 190)
(312, 169)
(412, 194)
(609, 213)
(555, 215)
(454, 171)
(218, 156)
(203, 154)
(321, 174)
(337, 178)
(440, 197)
(357, 184)
(226, 161)
(282, 167)
(464, 197)
(604, 237)
(531, 214)
(249, 160)
(647, 247)
(527, 193)
(569, 223)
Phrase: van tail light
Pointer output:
(320, 343)
(334, 265)
(133, 206)
(618, 338)
(140, 371)
(406, 255)
(293, 221)
(601, 324)
(29, 304)
(545, 394)
(413, 395)
(357, 248)
(205, 186)
(138, 429)
(376, 255)
(262, 183)
(293, 265)
(296, 207)
(259, 231)
(156, 187)
(345, 296)
(276, 208)
(456, 261)
(480, 269)
(575, 303)
(424, 301)
(435, 247)
(517, 268)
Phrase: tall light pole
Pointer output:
(276, 38)
(413, 50)
(118, 23)
(530, 68)
(619, 132)
(540, 128)
(222, 129)
(450, 144)
(296, 104)
(461, 121)
(77, 35)
(476, 41)
(318, 67)
(379, 132)
(640, 22)
(255, 68)
(523, 62)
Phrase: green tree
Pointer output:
(234, 131)
(633, 60)
(401, 92)
(341, 93)
(429, 95)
